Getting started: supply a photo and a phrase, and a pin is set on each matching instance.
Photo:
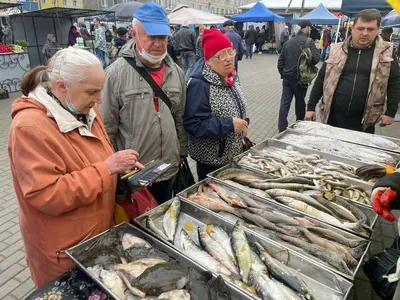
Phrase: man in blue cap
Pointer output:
(135, 116)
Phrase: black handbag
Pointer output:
(184, 179)
(383, 264)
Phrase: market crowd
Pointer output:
(85, 118)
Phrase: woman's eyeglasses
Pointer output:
(226, 54)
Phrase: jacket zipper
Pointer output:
(354, 84)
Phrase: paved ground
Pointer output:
(262, 86)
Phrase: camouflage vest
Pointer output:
(378, 83)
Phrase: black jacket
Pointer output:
(289, 57)
(185, 40)
(251, 36)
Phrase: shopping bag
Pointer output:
(247, 144)
(184, 179)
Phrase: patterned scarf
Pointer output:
(230, 79)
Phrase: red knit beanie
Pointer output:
(213, 41)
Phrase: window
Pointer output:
(74, 3)
(54, 2)
(217, 10)
(222, 11)
(44, 1)
(64, 3)
(104, 4)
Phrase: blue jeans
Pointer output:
(188, 59)
(249, 51)
(324, 52)
(101, 55)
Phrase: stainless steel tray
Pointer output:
(372, 216)
(394, 155)
(394, 140)
(283, 209)
(184, 260)
(323, 283)
(351, 181)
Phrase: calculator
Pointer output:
(138, 179)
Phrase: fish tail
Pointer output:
(358, 251)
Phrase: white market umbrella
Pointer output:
(194, 16)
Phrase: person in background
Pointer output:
(260, 40)
(85, 34)
(350, 98)
(57, 137)
(100, 43)
(250, 39)
(287, 67)
(171, 47)
(72, 35)
(326, 41)
(51, 46)
(236, 41)
(386, 34)
(284, 37)
(117, 43)
(199, 46)
(77, 27)
(7, 34)
(114, 30)
(134, 116)
(185, 41)
(215, 110)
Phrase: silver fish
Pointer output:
(334, 236)
(170, 219)
(274, 216)
(219, 235)
(160, 232)
(241, 249)
(130, 241)
(267, 288)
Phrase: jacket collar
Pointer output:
(380, 45)
(66, 122)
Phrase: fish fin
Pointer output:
(132, 289)
(358, 251)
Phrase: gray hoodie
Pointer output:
(129, 116)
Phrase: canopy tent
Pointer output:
(258, 13)
(194, 16)
(39, 23)
(319, 15)
(296, 4)
(352, 7)
(123, 12)
(392, 19)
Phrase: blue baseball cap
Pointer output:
(154, 19)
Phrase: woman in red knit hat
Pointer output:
(215, 113)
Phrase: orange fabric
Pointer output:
(64, 189)
(390, 169)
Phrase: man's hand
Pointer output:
(239, 124)
(311, 115)
(385, 121)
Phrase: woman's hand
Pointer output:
(123, 162)
(239, 124)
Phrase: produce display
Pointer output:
(17, 48)
(5, 48)
(346, 135)
(133, 269)
(340, 148)
(229, 253)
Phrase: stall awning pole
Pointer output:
(338, 28)
(59, 27)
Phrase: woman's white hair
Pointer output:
(69, 65)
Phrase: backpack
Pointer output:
(306, 70)
(109, 36)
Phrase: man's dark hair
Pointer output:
(369, 15)
(97, 19)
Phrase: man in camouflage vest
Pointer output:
(354, 83)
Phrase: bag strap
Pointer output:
(146, 76)
(308, 42)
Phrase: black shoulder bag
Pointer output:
(185, 178)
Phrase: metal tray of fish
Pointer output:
(321, 282)
(352, 182)
(349, 136)
(274, 206)
(351, 151)
(371, 215)
(75, 252)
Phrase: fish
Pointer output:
(229, 217)
(162, 278)
(285, 186)
(267, 288)
(274, 216)
(201, 256)
(257, 265)
(218, 289)
(216, 250)
(170, 219)
(197, 285)
(241, 249)
(341, 250)
(160, 232)
(298, 196)
(175, 295)
(134, 269)
(336, 237)
(340, 211)
(113, 282)
(290, 294)
(251, 202)
(240, 175)
(219, 235)
(326, 255)
(228, 196)
(291, 179)
(283, 273)
(130, 241)
(133, 254)
(256, 192)
(210, 203)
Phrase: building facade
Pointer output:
(60, 3)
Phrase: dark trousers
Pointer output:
(203, 170)
(291, 88)
(162, 190)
